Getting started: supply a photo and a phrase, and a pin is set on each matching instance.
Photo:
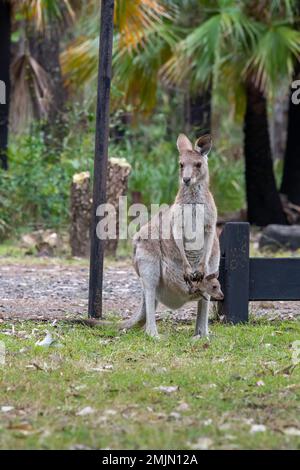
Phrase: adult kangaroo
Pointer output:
(172, 272)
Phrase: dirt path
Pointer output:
(50, 291)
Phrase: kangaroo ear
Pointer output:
(212, 276)
(183, 143)
(203, 144)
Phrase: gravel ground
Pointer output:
(59, 291)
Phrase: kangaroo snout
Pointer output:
(186, 180)
(219, 296)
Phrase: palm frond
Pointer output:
(135, 63)
(31, 93)
(274, 56)
(198, 57)
(136, 72)
(135, 18)
(40, 12)
(79, 61)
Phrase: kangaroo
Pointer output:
(167, 270)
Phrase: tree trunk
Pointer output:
(45, 48)
(200, 108)
(5, 31)
(264, 205)
(290, 185)
(81, 206)
(278, 122)
(198, 112)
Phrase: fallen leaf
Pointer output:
(46, 342)
(88, 410)
(36, 366)
(286, 370)
(170, 389)
(6, 409)
(183, 407)
(207, 422)
(203, 443)
(260, 383)
(257, 428)
(174, 415)
(209, 386)
(24, 426)
(292, 432)
(80, 447)
(110, 412)
(105, 368)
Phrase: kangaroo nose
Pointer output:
(186, 180)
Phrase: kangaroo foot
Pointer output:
(152, 332)
(200, 336)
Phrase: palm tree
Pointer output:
(144, 39)
(263, 202)
(250, 48)
(32, 92)
(290, 185)
(38, 89)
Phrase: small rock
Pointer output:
(278, 237)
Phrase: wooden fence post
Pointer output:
(234, 272)
(101, 155)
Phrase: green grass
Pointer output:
(242, 376)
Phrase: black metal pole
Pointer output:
(101, 154)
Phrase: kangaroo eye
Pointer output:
(214, 287)
(198, 165)
(181, 165)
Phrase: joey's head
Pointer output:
(193, 165)
(212, 287)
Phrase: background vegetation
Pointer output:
(194, 66)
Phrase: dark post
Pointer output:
(101, 154)
(235, 278)
(5, 41)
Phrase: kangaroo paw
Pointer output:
(197, 276)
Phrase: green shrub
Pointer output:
(35, 190)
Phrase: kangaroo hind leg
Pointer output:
(149, 269)
(202, 319)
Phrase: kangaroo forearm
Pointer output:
(180, 246)
(207, 248)
(178, 239)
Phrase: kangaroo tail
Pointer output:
(137, 318)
